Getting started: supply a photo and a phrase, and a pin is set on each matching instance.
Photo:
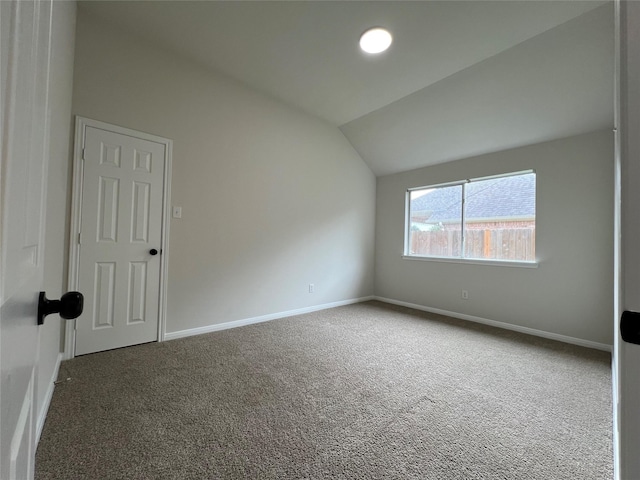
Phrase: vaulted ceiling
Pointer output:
(461, 78)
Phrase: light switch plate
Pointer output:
(177, 212)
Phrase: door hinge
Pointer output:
(79, 238)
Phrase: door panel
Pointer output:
(121, 221)
(25, 29)
(627, 355)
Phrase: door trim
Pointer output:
(76, 209)
(618, 304)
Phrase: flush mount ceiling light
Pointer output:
(375, 40)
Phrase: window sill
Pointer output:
(475, 261)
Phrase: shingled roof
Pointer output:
(505, 197)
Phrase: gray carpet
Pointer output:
(367, 391)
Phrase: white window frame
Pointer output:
(461, 259)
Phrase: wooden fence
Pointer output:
(498, 244)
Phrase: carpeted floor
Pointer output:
(366, 391)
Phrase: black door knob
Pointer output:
(153, 251)
(69, 306)
(630, 327)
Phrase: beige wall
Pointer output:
(272, 199)
(58, 196)
(571, 291)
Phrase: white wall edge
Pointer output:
(44, 409)
(262, 318)
(503, 325)
(74, 250)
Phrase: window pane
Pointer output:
(500, 218)
(435, 221)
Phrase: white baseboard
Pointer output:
(262, 318)
(506, 326)
(42, 414)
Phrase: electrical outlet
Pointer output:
(465, 294)
(311, 288)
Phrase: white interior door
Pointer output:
(627, 355)
(25, 30)
(120, 240)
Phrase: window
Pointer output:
(491, 218)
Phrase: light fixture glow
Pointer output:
(375, 40)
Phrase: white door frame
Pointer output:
(618, 306)
(76, 210)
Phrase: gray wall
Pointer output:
(272, 199)
(571, 291)
(58, 197)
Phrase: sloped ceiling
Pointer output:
(555, 85)
(462, 77)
